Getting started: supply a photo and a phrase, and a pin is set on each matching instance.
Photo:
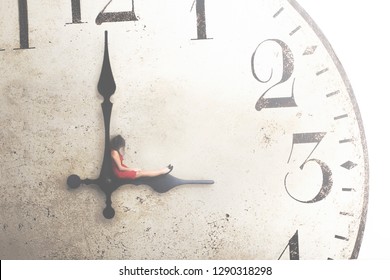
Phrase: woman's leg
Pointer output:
(153, 173)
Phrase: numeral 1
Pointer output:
(23, 25)
(293, 246)
(76, 12)
(201, 20)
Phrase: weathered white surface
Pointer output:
(189, 103)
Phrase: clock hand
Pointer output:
(165, 183)
(106, 88)
(107, 181)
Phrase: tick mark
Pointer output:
(295, 30)
(346, 214)
(333, 93)
(322, 71)
(345, 141)
(278, 12)
(349, 165)
(341, 117)
(341, 237)
(310, 50)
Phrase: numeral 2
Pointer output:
(103, 16)
(288, 69)
(116, 16)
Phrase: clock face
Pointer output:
(249, 95)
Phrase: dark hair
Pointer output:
(117, 142)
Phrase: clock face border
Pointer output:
(341, 70)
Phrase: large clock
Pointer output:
(249, 94)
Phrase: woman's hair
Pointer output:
(117, 142)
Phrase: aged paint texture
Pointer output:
(191, 103)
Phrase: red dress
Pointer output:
(128, 174)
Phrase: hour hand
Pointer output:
(164, 183)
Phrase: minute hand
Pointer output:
(106, 88)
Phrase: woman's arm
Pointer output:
(115, 156)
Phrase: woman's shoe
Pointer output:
(170, 167)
